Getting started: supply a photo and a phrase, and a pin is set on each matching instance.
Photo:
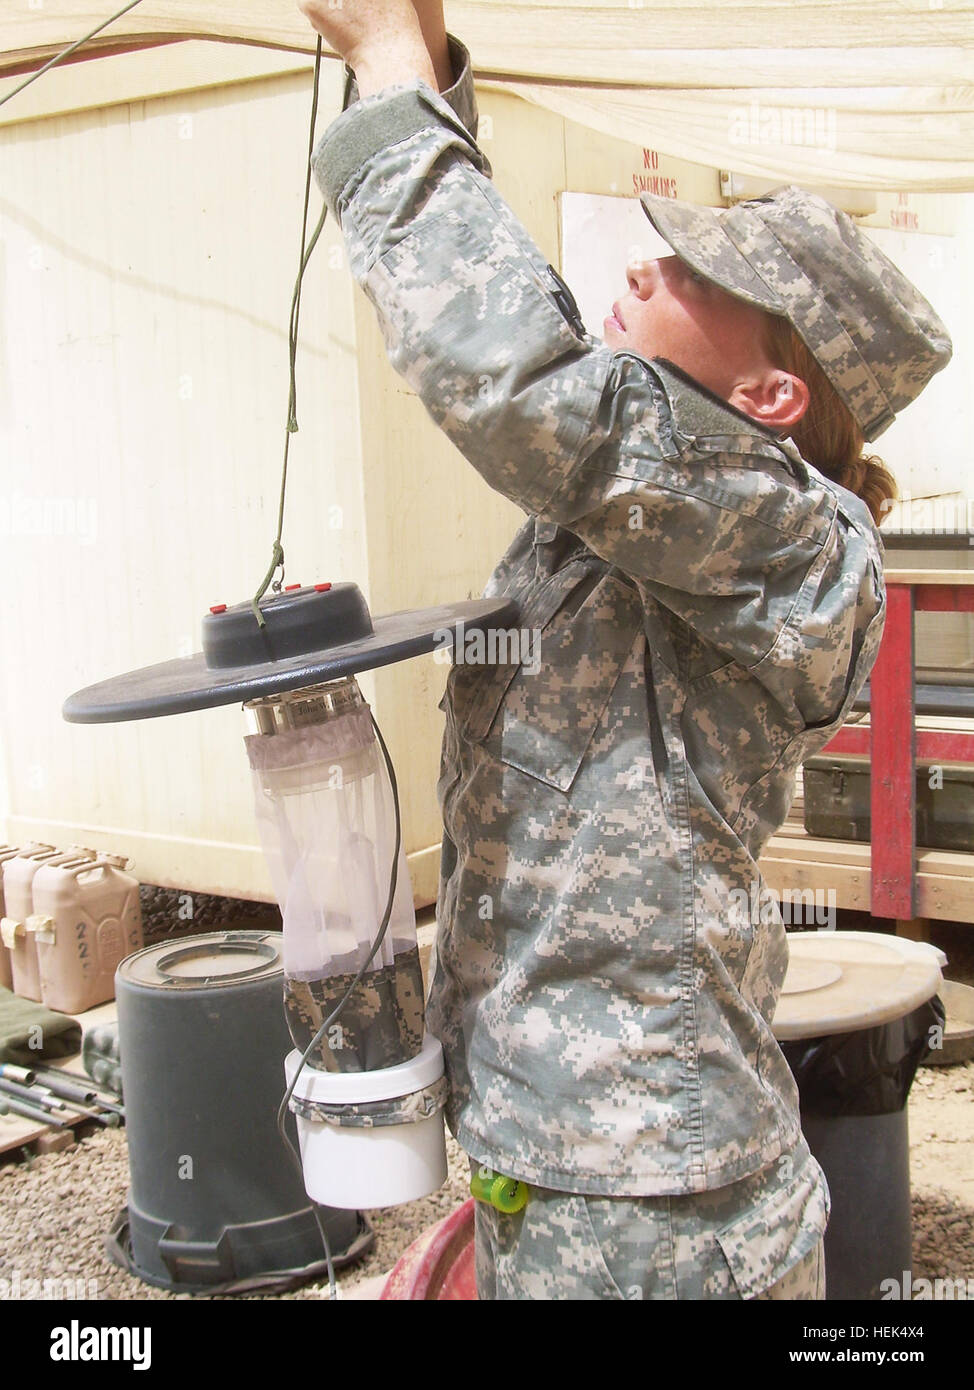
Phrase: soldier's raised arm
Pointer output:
(702, 508)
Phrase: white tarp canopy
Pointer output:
(859, 93)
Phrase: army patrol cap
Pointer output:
(792, 253)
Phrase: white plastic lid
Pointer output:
(922, 950)
(839, 982)
(351, 1087)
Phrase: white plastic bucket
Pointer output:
(381, 1166)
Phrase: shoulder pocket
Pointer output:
(540, 715)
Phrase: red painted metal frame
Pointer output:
(894, 744)
(893, 790)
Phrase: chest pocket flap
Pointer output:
(540, 715)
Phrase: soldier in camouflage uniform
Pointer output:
(709, 606)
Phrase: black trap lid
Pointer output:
(312, 634)
(296, 622)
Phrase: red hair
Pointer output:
(827, 435)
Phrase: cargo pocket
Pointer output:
(541, 714)
(772, 1236)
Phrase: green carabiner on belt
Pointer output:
(507, 1195)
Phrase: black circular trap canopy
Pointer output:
(311, 634)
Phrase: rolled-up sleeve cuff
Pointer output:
(461, 95)
(393, 115)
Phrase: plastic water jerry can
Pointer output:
(87, 918)
(18, 880)
(6, 971)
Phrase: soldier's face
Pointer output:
(670, 311)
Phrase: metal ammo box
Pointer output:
(837, 806)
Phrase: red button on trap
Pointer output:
(218, 608)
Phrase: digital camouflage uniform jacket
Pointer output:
(709, 607)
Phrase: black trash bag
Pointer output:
(868, 1072)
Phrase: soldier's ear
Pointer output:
(775, 398)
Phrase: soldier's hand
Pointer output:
(354, 27)
(381, 40)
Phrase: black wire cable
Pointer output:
(380, 936)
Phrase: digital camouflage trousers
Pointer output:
(759, 1238)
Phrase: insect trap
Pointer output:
(364, 1081)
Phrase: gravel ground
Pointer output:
(55, 1209)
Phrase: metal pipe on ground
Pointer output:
(9, 1106)
(70, 1090)
(37, 1096)
(14, 1073)
(62, 1086)
(30, 1094)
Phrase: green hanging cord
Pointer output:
(277, 552)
